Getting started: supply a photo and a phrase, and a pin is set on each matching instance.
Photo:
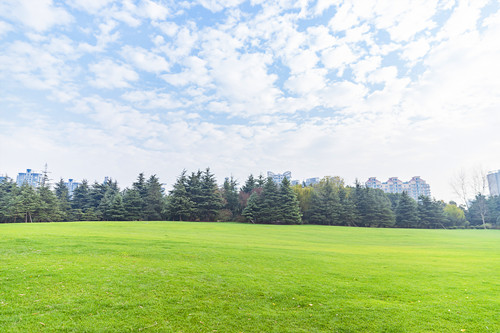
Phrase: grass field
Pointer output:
(214, 277)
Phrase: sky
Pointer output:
(355, 89)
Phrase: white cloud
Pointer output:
(145, 60)
(153, 10)
(4, 28)
(307, 82)
(109, 74)
(90, 6)
(39, 15)
(195, 72)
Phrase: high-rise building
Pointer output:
(278, 177)
(311, 181)
(71, 185)
(415, 187)
(494, 182)
(29, 177)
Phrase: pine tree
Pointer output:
(48, 210)
(230, 195)
(8, 192)
(180, 207)
(154, 200)
(195, 193)
(289, 204)
(253, 209)
(62, 194)
(430, 213)
(28, 203)
(132, 202)
(80, 200)
(406, 212)
(270, 211)
(211, 199)
(141, 188)
(250, 184)
(115, 211)
(325, 204)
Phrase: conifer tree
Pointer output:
(270, 211)
(325, 204)
(430, 213)
(180, 207)
(132, 203)
(211, 200)
(230, 195)
(253, 209)
(406, 212)
(289, 204)
(154, 199)
(62, 194)
(48, 210)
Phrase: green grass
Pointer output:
(214, 277)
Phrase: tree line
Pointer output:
(197, 197)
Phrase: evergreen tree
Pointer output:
(406, 212)
(8, 192)
(180, 207)
(62, 194)
(212, 200)
(140, 187)
(80, 200)
(115, 211)
(230, 195)
(195, 192)
(253, 209)
(289, 204)
(270, 211)
(81, 196)
(154, 201)
(325, 204)
(132, 202)
(28, 202)
(430, 213)
(250, 184)
(48, 210)
(347, 208)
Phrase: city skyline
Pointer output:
(350, 89)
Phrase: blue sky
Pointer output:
(349, 88)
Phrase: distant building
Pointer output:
(415, 187)
(494, 182)
(29, 177)
(71, 185)
(295, 182)
(311, 181)
(278, 177)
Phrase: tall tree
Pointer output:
(430, 213)
(253, 209)
(62, 194)
(289, 204)
(48, 210)
(132, 203)
(211, 199)
(230, 196)
(270, 211)
(154, 199)
(406, 212)
(180, 207)
(325, 204)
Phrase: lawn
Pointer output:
(227, 277)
